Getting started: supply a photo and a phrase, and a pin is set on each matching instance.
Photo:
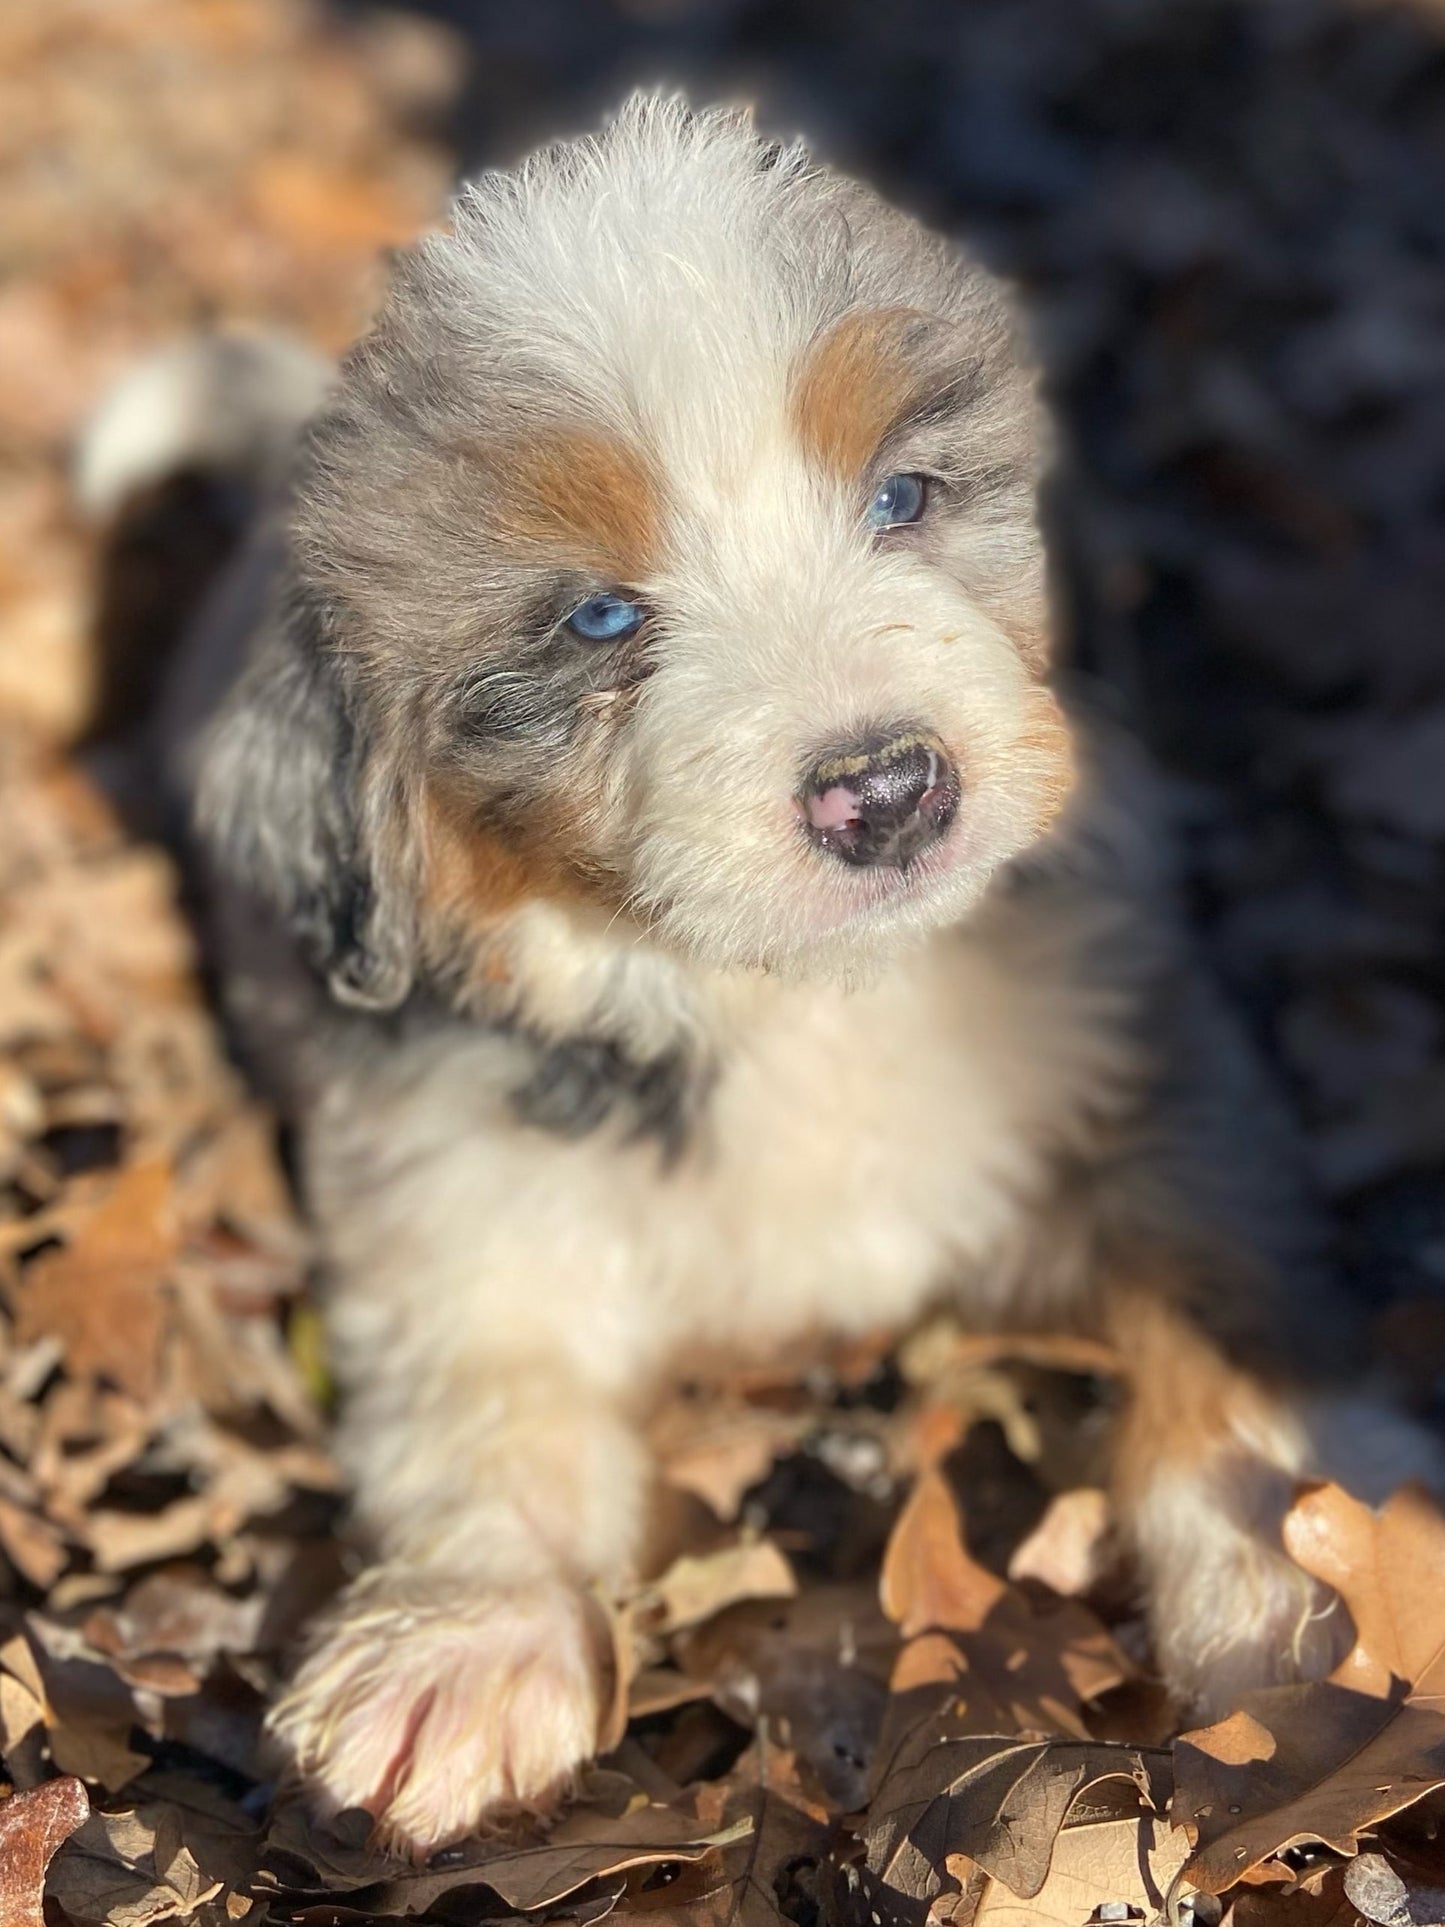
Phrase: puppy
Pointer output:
(710, 931)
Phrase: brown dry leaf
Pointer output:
(102, 1295)
(119, 1541)
(1300, 1763)
(590, 1846)
(22, 1711)
(698, 1585)
(163, 1859)
(998, 1802)
(1021, 1672)
(655, 1689)
(240, 1483)
(932, 1659)
(1319, 1901)
(744, 1884)
(1389, 1567)
(1065, 1636)
(810, 1671)
(85, 1436)
(943, 1345)
(18, 1659)
(956, 1392)
(1327, 1762)
(929, 1580)
(587, 1845)
(97, 1755)
(83, 1712)
(1008, 1667)
(236, 1178)
(32, 1545)
(1126, 1865)
(89, 1710)
(327, 209)
(125, 1871)
(164, 161)
(1065, 1550)
(177, 1610)
(720, 1458)
(33, 1826)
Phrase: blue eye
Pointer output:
(899, 500)
(605, 618)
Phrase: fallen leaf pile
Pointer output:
(835, 1705)
(896, 1673)
(169, 163)
(166, 1495)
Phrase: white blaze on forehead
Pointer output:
(737, 314)
(658, 274)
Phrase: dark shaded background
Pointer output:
(1229, 220)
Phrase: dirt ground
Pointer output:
(900, 1677)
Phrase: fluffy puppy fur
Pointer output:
(600, 1058)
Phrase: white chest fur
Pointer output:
(858, 1151)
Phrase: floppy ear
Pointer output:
(295, 807)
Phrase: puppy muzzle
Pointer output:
(882, 803)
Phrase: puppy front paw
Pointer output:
(1236, 1613)
(444, 1709)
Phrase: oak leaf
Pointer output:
(1013, 1666)
(1126, 1866)
(698, 1585)
(1389, 1567)
(164, 1858)
(101, 1294)
(1300, 1763)
(589, 1844)
(1065, 1550)
(33, 1826)
(998, 1801)
(1330, 1761)
(743, 1884)
(929, 1580)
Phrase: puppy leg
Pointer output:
(462, 1678)
(1207, 1456)
(1205, 1460)
(1187, 1233)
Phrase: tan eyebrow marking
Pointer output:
(588, 499)
(852, 386)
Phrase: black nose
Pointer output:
(884, 802)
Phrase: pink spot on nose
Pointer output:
(834, 809)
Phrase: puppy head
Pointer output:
(669, 550)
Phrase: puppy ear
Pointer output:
(295, 807)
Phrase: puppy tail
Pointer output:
(228, 407)
(175, 463)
